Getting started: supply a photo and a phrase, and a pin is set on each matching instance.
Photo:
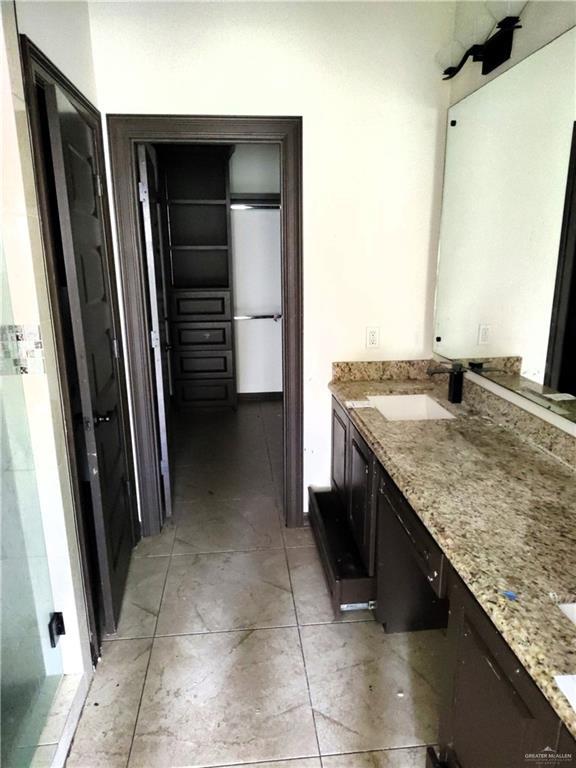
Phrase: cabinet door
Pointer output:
(405, 599)
(339, 452)
(498, 715)
(360, 481)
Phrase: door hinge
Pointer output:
(116, 348)
(142, 192)
(98, 181)
(163, 467)
(56, 627)
(154, 339)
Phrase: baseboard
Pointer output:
(245, 397)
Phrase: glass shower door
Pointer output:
(30, 669)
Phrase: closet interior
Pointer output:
(211, 235)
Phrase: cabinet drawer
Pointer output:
(200, 305)
(427, 553)
(203, 364)
(194, 335)
(346, 573)
(209, 392)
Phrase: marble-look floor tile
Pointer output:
(142, 597)
(372, 691)
(229, 484)
(298, 537)
(390, 758)
(224, 698)
(106, 727)
(157, 546)
(228, 525)
(235, 590)
(311, 595)
(221, 453)
(60, 709)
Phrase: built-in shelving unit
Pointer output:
(197, 214)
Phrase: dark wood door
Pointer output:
(157, 306)
(74, 153)
(360, 479)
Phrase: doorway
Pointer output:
(145, 152)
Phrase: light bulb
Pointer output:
(500, 9)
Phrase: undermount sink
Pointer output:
(569, 610)
(567, 683)
(409, 407)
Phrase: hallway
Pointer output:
(227, 651)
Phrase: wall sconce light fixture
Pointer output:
(494, 52)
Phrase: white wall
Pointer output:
(62, 31)
(506, 170)
(364, 79)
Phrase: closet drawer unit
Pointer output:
(200, 305)
(346, 574)
(216, 336)
(208, 392)
(203, 364)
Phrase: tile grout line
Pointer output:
(149, 657)
(303, 656)
(241, 629)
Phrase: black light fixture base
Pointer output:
(494, 52)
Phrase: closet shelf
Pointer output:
(195, 201)
(198, 247)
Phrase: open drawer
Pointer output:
(346, 574)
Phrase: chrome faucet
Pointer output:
(455, 372)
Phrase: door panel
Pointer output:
(74, 149)
(360, 479)
(339, 452)
(158, 306)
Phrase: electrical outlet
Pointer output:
(483, 334)
(372, 337)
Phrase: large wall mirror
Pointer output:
(506, 291)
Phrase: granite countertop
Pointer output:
(502, 510)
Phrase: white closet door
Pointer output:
(257, 291)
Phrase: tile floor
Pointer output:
(228, 652)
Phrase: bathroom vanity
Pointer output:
(458, 522)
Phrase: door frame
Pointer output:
(124, 132)
(37, 68)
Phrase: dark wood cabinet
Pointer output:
(375, 547)
(361, 502)
(409, 586)
(339, 455)
(494, 714)
(353, 483)
(567, 746)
